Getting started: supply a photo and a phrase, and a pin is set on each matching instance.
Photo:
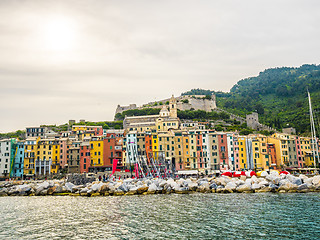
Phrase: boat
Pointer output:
(315, 149)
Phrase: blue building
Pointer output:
(17, 164)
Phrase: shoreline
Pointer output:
(273, 182)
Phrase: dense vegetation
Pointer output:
(17, 134)
(279, 95)
(105, 125)
(202, 115)
(137, 112)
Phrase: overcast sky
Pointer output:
(62, 60)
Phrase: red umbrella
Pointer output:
(243, 173)
(228, 174)
(253, 173)
(284, 172)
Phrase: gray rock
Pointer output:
(316, 180)
(293, 179)
(303, 186)
(123, 187)
(231, 186)
(84, 190)
(273, 186)
(69, 186)
(213, 185)
(169, 189)
(152, 188)
(255, 186)
(244, 187)
(193, 186)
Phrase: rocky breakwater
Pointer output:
(270, 183)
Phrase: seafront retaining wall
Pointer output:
(271, 183)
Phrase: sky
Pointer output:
(62, 60)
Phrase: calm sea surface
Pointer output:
(194, 216)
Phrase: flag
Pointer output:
(114, 165)
(136, 171)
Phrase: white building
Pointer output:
(5, 155)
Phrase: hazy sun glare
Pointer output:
(59, 34)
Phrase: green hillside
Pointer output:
(279, 95)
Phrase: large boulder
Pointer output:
(3, 191)
(51, 190)
(213, 185)
(231, 186)
(255, 186)
(123, 187)
(152, 188)
(222, 180)
(303, 177)
(132, 190)
(316, 180)
(162, 183)
(104, 188)
(142, 189)
(96, 186)
(193, 186)
(84, 191)
(254, 179)
(59, 189)
(41, 188)
(303, 187)
(288, 186)
(69, 186)
(182, 190)
(205, 187)
(264, 183)
(293, 179)
(273, 187)
(244, 188)
(264, 189)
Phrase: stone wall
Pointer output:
(195, 102)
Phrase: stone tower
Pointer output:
(173, 107)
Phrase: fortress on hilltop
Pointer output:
(185, 102)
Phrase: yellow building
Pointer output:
(155, 145)
(83, 131)
(242, 152)
(280, 142)
(193, 150)
(264, 161)
(29, 156)
(96, 151)
(306, 151)
(178, 151)
(186, 151)
(47, 156)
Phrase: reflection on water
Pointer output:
(194, 216)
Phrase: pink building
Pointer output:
(64, 146)
(223, 151)
(299, 152)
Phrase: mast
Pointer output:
(313, 133)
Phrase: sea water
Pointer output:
(193, 216)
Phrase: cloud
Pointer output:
(136, 52)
